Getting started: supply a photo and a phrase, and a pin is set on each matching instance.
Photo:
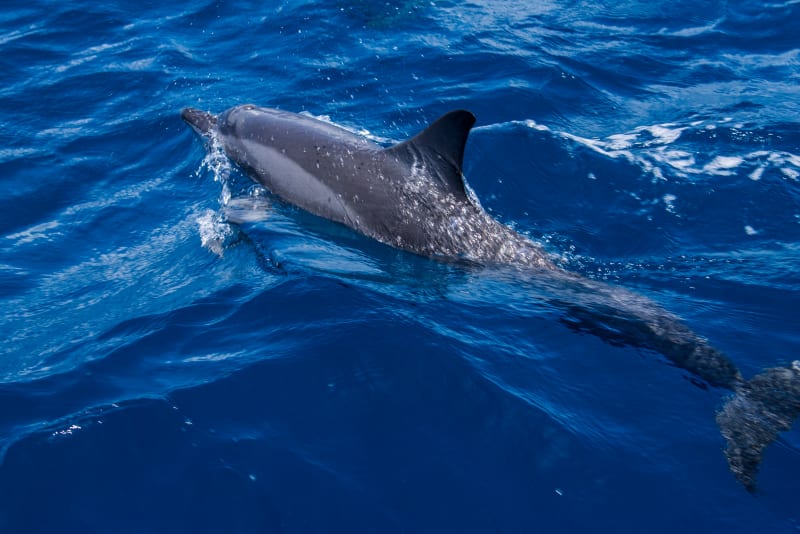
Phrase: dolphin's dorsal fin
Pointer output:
(440, 148)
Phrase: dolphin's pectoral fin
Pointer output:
(440, 147)
(240, 210)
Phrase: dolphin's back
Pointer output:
(312, 164)
(411, 195)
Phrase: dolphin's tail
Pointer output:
(752, 418)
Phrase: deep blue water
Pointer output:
(163, 370)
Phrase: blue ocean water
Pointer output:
(164, 370)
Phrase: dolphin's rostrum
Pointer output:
(412, 196)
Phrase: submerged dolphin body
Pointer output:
(412, 196)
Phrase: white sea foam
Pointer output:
(663, 133)
(8, 154)
(695, 30)
(216, 233)
(756, 174)
(43, 231)
(501, 126)
(621, 141)
(91, 53)
(669, 202)
(33, 29)
(214, 357)
(792, 174)
(677, 159)
(723, 165)
(533, 125)
(656, 149)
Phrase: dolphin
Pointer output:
(413, 196)
(410, 196)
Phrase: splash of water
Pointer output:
(217, 163)
(216, 232)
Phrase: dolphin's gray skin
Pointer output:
(413, 196)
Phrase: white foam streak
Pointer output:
(91, 53)
(621, 141)
(33, 29)
(35, 233)
(756, 174)
(500, 126)
(695, 31)
(48, 231)
(790, 173)
(652, 148)
(601, 147)
(723, 165)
